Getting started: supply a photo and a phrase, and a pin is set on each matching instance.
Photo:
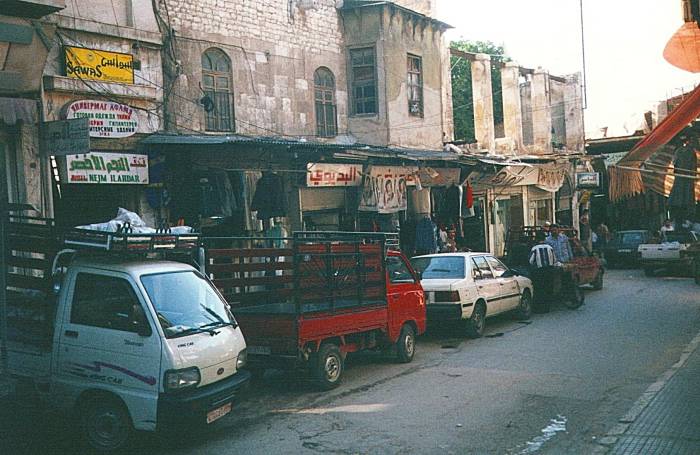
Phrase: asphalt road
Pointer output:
(551, 386)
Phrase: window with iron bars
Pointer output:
(364, 81)
(415, 86)
(326, 117)
(217, 85)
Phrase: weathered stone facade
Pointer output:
(275, 48)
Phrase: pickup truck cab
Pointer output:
(470, 287)
(320, 297)
(671, 252)
(126, 343)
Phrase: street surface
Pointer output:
(550, 386)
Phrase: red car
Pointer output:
(322, 297)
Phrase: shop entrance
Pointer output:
(86, 204)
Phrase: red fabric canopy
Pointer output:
(687, 111)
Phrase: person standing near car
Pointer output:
(544, 275)
(560, 244)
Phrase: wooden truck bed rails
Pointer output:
(313, 286)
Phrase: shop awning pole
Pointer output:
(4, 215)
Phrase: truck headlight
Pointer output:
(242, 359)
(181, 379)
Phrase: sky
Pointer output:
(624, 41)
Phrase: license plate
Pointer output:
(218, 413)
(625, 251)
(259, 350)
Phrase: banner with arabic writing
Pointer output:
(106, 168)
(384, 188)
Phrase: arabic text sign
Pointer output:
(588, 180)
(326, 174)
(384, 189)
(107, 119)
(107, 168)
(99, 65)
(65, 137)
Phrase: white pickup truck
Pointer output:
(122, 342)
(671, 252)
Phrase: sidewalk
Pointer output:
(670, 423)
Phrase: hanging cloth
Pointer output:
(469, 196)
(270, 199)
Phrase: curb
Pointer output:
(649, 394)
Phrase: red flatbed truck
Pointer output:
(322, 296)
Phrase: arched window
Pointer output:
(218, 86)
(324, 87)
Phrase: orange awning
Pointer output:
(683, 49)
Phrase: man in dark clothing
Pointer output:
(546, 278)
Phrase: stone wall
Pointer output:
(274, 48)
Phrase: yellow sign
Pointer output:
(98, 65)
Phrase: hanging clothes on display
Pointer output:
(467, 209)
(451, 205)
(682, 197)
(420, 200)
(270, 199)
(426, 236)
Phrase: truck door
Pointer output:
(404, 294)
(100, 349)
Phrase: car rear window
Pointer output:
(631, 238)
(439, 267)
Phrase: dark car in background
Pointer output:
(622, 250)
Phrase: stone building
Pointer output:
(99, 60)
(278, 59)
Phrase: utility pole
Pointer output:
(583, 59)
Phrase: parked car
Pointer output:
(672, 252)
(308, 305)
(470, 287)
(623, 249)
(122, 342)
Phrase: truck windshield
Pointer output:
(439, 267)
(185, 303)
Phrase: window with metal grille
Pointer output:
(415, 86)
(324, 87)
(364, 81)
(217, 84)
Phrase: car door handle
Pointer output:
(71, 334)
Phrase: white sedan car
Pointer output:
(470, 287)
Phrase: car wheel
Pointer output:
(327, 367)
(406, 344)
(573, 297)
(477, 322)
(598, 282)
(524, 310)
(106, 424)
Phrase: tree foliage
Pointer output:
(462, 86)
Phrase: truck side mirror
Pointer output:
(139, 321)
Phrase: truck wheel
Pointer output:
(524, 310)
(598, 282)
(406, 344)
(106, 424)
(574, 296)
(327, 367)
(477, 322)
